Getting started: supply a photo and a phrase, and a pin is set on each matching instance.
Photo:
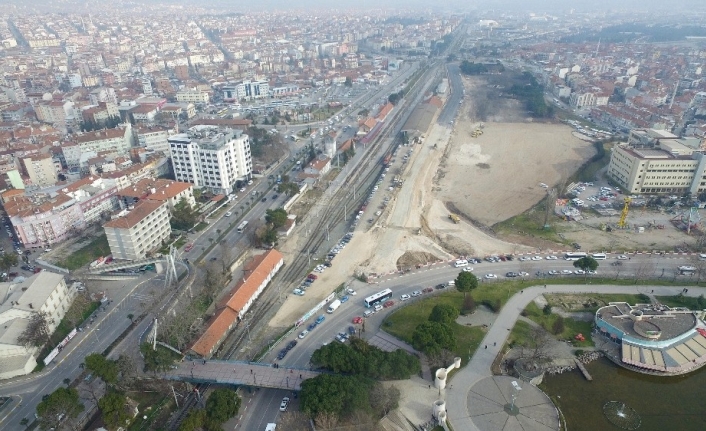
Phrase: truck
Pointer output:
(333, 306)
(456, 219)
(271, 427)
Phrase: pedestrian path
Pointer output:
(461, 395)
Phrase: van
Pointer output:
(368, 313)
(451, 283)
(271, 427)
(460, 263)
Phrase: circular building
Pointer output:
(653, 338)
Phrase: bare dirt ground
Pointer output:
(496, 175)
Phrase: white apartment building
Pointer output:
(44, 292)
(210, 157)
(670, 167)
(246, 90)
(153, 138)
(192, 96)
(41, 169)
(118, 140)
(139, 230)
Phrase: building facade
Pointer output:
(192, 96)
(138, 231)
(40, 169)
(210, 157)
(246, 90)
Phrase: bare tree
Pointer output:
(294, 421)
(644, 270)
(384, 399)
(226, 256)
(37, 331)
(326, 420)
(537, 345)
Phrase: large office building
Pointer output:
(139, 230)
(246, 90)
(655, 161)
(20, 301)
(211, 157)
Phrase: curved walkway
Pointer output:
(458, 394)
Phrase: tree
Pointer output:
(558, 325)
(277, 217)
(102, 367)
(63, 403)
(469, 305)
(431, 337)
(156, 360)
(183, 216)
(222, 404)
(465, 282)
(37, 331)
(443, 313)
(586, 264)
(334, 394)
(7, 261)
(537, 345)
(269, 236)
(113, 409)
(547, 309)
(383, 400)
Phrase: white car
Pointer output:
(536, 257)
(468, 269)
(299, 292)
(592, 272)
(622, 257)
(303, 334)
(283, 405)
(490, 276)
(416, 293)
(579, 272)
(566, 272)
(524, 274)
(404, 297)
(351, 291)
(551, 257)
(525, 258)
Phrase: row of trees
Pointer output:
(221, 405)
(361, 358)
(394, 98)
(533, 95)
(471, 68)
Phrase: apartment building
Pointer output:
(118, 140)
(153, 138)
(95, 196)
(40, 169)
(672, 166)
(211, 157)
(45, 292)
(52, 112)
(192, 96)
(41, 220)
(139, 230)
(246, 90)
(171, 192)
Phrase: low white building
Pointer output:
(45, 292)
(139, 230)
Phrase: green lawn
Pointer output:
(201, 226)
(520, 333)
(404, 321)
(571, 326)
(93, 250)
(682, 301)
(590, 302)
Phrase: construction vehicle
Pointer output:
(454, 218)
(622, 223)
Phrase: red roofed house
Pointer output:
(233, 307)
(160, 190)
(138, 231)
(384, 111)
(367, 125)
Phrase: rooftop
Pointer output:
(136, 215)
(635, 321)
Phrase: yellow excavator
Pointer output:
(454, 218)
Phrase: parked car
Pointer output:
(303, 334)
(427, 290)
(351, 291)
(351, 330)
(404, 297)
(552, 257)
(189, 247)
(312, 276)
(344, 299)
(490, 276)
(284, 404)
(320, 319)
(299, 292)
(388, 304)
(368, 313)
(357, 320)
(416, 293)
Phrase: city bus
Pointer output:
(571, 255)
(223, 112)
(599, 256)
(377, 298)
(242, 226)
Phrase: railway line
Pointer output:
(357, 182)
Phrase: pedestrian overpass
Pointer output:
(240, 373)
(102, 268)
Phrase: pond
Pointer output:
(663, 403)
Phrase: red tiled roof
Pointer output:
(141, 210)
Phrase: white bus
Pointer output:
(599, 256)
(241, 226)
(571, 255)
(377, 298)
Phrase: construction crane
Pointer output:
(622, 223)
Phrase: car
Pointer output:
(303, 334)
(308, 282)
(368, 313)
(566, 272)
(404, 297)
(282, 353)
(621, 257)
(263, 200)
(26, 267)
(490, 276)
(311, 327)
(440, 286)
(579, 272)
(388, 304)
(377, 307)
(275, 197)
(351, 330)
(344, 299)
(416, 293)
(284, 404)
(298, 292)
(467, 269)
(536, 257)
(552, 257)
(357, 320)
(312, 276)
(523, 274)
(189, 247)
(292, 344)
(351, 291)
(553, 272)
(525, 258)
(511, 274)
(213, 259)
(328, 264)
(320, 319)
(242, 189)
(427, 290)
(228, 214)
